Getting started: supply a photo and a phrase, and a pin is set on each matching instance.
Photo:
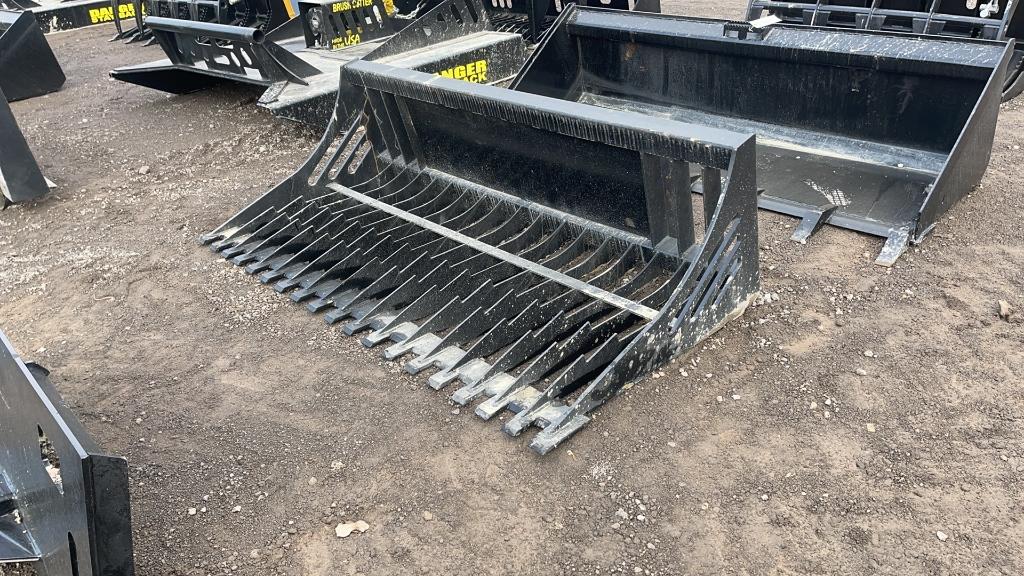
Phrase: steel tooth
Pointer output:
(504, 391)
(557, 432)
(567, 380)
(469, 328)
(419, 308)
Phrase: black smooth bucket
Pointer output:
(875, 132)
(28, 67)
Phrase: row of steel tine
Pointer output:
(500, 329)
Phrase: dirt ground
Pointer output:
(783, 449)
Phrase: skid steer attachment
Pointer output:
(27, 65)
(955, 18)
(469, 39)
(64, 504)
(875, 132)
(56, 15)
(264, 15)
(543, 253)
(20, 177)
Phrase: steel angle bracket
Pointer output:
(64, 504)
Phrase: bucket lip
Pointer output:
(607, 17)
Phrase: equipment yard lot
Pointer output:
(860, 420)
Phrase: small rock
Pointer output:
(345, 529)
(144, 170)
(965, 487)
(814, 405)
(428, 516)
(870, 426)
(735, 396)
(312, 480)
(672, 444)
(236, 509)
(254, 553)
(622, 514)
(192, 511)
(764, 497)
(1005, 310)
(869, 353)
(860, 372)
(942, 536)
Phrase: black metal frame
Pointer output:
(64, 504)
(20, 176)
(940, 17)
(68, 14)
(439, 221)
(28, 67)
(228, 51)
(873, 131)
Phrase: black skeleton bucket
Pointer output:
(542, 253)
(871, 131)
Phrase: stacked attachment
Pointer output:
(20, 176)
(299, 62)
(63, 504)
(954, 18)
(27, 65)
(57, 15)
(263, 15)
(875, 132)
(441, 223)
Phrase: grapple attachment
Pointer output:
(20, 177)
(27, 65)
(542, 253)
(64, 504)
(989, 20)
(876, 132)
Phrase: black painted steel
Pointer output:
(20, 177)
(264, 15)
(872, 131)
(440, 221)
(64, 504)
(954, 18)
(455, 38)
(56, 15)
(27, 65)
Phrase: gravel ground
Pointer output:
(779, 447)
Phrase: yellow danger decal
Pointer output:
(472, 72)
(106, 14)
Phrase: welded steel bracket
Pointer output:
(63, 503)
(545, 284)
